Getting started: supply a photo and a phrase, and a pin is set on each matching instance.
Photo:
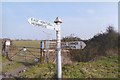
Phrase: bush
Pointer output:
(99, 45)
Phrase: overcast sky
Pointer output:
(83, 19)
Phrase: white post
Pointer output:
(58, 36)
(58, 52)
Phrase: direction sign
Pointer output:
(73, 45)
(36, 22)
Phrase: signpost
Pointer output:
(36, 22)
(57, 28)
(73, 45)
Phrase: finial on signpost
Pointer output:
(58, 20)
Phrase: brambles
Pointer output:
(102, 44)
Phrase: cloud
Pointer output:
(90, 11)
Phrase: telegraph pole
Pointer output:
(58, 49)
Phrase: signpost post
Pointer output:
(58, 54)
(57, 28)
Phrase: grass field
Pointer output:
(27, 43)
(19, 58)
(104, 67)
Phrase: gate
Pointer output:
(25, 51)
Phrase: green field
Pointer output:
(104, 67)
(20, 57)
(33, 43)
